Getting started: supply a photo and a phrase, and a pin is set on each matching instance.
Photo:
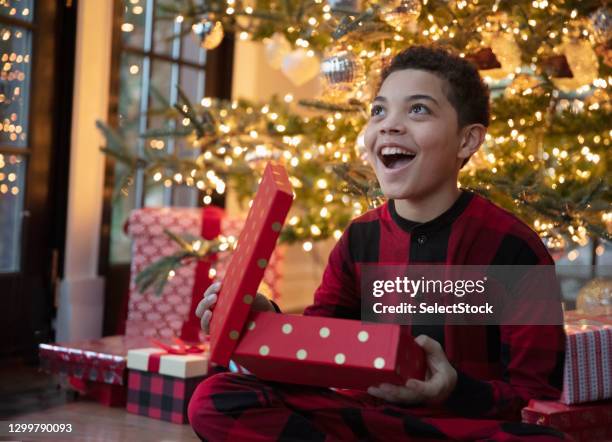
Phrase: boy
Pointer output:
(429, 117)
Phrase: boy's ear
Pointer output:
(472, 139)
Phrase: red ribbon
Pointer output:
(211, 228)
(183, 349)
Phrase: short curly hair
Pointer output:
(467, 93)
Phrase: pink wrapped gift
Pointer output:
(172, 313)
(588, 358)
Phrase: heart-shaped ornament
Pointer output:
(300, 67)
(275, 48)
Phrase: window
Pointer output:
(16, 30)
(156, 55)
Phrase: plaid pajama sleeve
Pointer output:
(534, 355)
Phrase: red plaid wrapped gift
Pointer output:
(588, 358)
(588, 422)
(173, 313)
(160, 384)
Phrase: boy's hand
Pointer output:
(204, 308)
(440, 380)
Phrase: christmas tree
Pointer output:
(545, 158)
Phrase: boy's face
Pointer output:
(412, 138)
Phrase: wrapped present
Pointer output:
(329, 352)
(249, 260)
(161, 383)
(94, 368)
(309, 350)
(111, 395)
(586, 422)
(99, 360)
(160, 397)
(172, 313)
(588, 358)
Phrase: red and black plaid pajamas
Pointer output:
(500, 367)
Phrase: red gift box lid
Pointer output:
(249, 260)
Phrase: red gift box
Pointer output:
(328, 351)
(95, 368)
(249, 260)
(587, 422)
(588, 358)
(106, 394)
(99, 360)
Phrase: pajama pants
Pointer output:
(237, 407)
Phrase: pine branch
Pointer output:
(351, 106)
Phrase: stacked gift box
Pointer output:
(161, 381)
(585, 408)
(588, 358)
(97, 368)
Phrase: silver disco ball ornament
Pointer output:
(343, 73)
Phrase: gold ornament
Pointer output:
(343, 73)
(209, 33)
(402, 13)
(503, 45)
(582, 61)
(595, 298)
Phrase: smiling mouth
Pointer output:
(395, 158)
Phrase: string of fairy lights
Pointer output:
(547, 63)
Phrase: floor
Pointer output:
(29, 396)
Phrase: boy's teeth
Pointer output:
(394, 150)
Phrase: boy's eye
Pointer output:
(419, 108)
(376, 110)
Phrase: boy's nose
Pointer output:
(392, 126)
(391, 130)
